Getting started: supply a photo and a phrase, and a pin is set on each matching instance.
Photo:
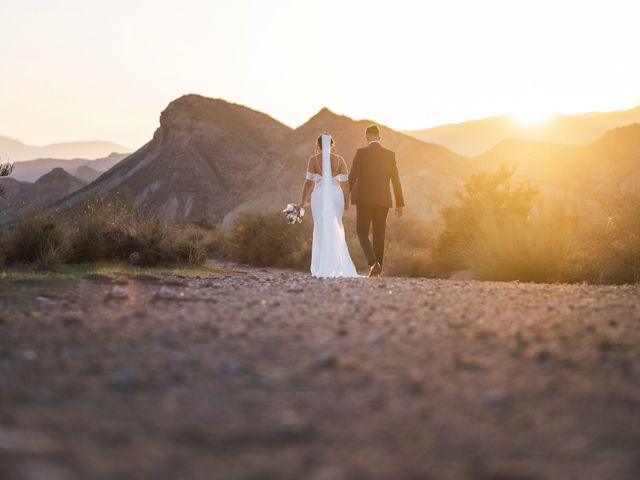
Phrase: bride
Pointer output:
(327, 182)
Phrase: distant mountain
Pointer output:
(211, 159)
(24, 197)
(31, 170)
(610, 164)
(86, 173)
(15, 151)
(477, 136)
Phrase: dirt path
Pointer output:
(274, 375)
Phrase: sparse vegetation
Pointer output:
(487, 201)
(39, 239)
(538, 248)
(5, 170)
(103, 230)
(615, 253)
(267, 240)
(497, 230)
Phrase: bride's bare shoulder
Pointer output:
(312, 163)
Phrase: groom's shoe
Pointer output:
(376, 270)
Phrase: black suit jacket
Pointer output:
(372, 169)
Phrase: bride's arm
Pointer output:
(307, 186)
(343, 170)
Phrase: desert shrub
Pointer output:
(111, 229)
(485, 198)
(614, 256)
(267, 240)
(100, 230)
(261, 239)
(193, 245)
(153, 241)
(491, 196)
(408, 247)
(539, 248)
(103, 229)
(38, 239)
(5, 171)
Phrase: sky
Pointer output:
(104, 70)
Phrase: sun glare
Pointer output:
(530, 116)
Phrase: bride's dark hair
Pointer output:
(333, 143)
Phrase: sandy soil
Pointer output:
(274, 375)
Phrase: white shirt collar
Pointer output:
(374, 141)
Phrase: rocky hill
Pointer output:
(86, 173)
(211, 159)
(24, 197)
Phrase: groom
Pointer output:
(373, 167)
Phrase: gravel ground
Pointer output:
(268, 374)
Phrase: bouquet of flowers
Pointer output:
(293, 213)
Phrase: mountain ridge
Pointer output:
(475, 137)
(211, 159)
(31, 170)
(14, 150)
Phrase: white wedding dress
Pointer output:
(329, 253)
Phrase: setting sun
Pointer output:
(530, 116)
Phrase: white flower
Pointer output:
(293, 213)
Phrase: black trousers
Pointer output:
(367, 216)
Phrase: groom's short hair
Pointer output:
(372, 131)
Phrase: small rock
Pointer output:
(165, 293)
(32, 397)
(326, 360)
(40, 470)
(230, 369)
(471, 362)
(25, 441)
(169, 343)
(295, 288)
(331, 473)
(543, 354)
(45, 301)
(117, 293)
(495, 398)
(28, 355)
(124, 381)
(71, 321)
(134, 258)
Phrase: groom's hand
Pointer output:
(399, 211)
